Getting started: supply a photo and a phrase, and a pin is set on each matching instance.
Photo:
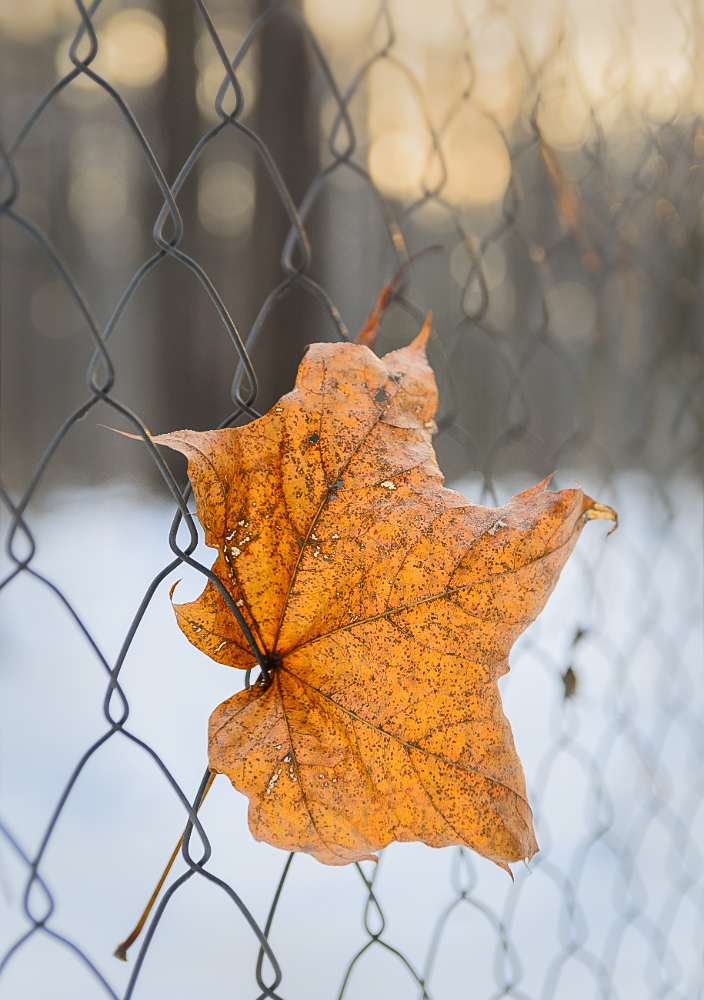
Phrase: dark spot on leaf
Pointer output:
(395, 378)
(314, 438)
(381, 396)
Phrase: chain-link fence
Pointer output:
(193, 171)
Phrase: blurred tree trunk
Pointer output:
(284, 118)
(183, 402)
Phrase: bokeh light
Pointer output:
(226, 199)
(27, 20)
(564, 118)
(494, 45)
(493, 264)
(479, 167)
(659, 70)
(595, 45)
(393, 106)
(136, 47)
(498, 93)
(594, 65)
(430, 23)
(211, 73)
(343, 22)
(396, 163)
(64, 65)
(131, 51)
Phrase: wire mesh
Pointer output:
(567, 337)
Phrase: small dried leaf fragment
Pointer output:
(387, 606)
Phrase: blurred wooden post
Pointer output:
(176, 339)
(282, 116)
(284, 119)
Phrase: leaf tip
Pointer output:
(420, 342)
(505, 866)
(126, 434)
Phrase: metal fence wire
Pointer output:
(567, 338)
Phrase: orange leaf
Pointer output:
(386, 606)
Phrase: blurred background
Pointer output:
(555, 152)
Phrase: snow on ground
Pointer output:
(612, 902)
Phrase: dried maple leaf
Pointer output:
(386, 606)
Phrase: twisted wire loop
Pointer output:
(601, 226)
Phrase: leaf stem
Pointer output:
(368, 334)
(122, 949)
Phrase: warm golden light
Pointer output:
(208, 86)
(64, 65)
(658, 49)
(432, 23)
(493, 264)
(493, 44)
(393, 106)
(27, 20)
(396, 163)
(564, 119)
(342, 22)
(211, 73)
(205, 50)
(131, 51)
(582, 64)
(226, 199)
(479, 166)
(136, 47)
